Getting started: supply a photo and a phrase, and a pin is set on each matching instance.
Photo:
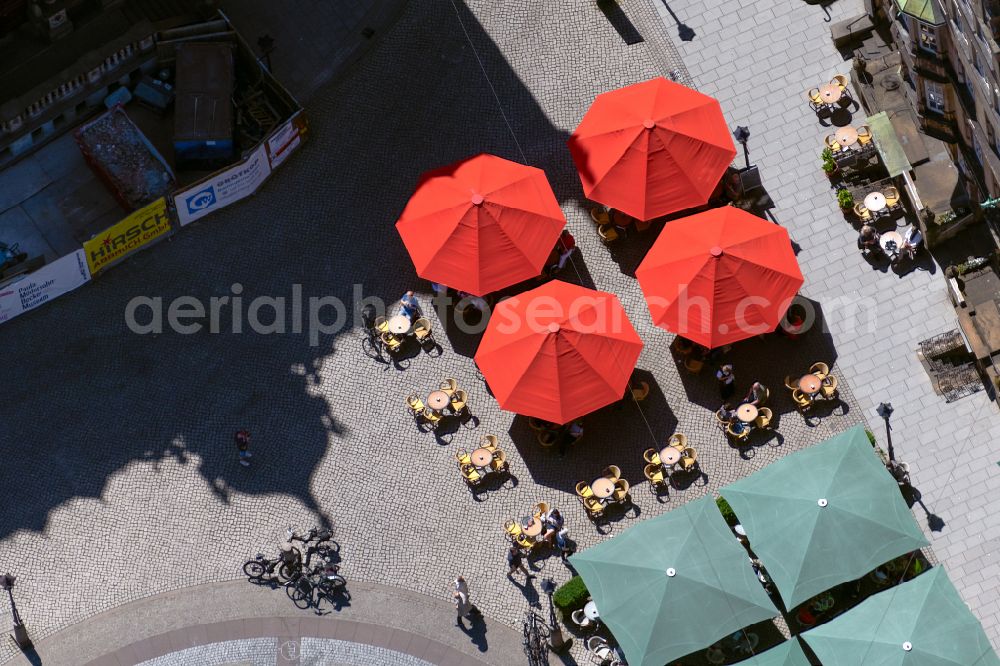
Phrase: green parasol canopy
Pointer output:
(920, 623)
(824, 515)
(788, 653)
(673, 584)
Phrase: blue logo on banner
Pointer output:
(201, 200)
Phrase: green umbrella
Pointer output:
(673, 584)
(788, 653)
(824, 515)
(920, 623)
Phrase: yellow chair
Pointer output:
(499, 461)
(391, 342)
(829, 387)
(537, 425)
(764, 417)
(463, 457)
(612, 472)
(643, 225)
(864, 135)
(655, 475)
(593, 506)
(546, 438)
(620, 493)
(832, 143)
(682, 346)
(607, 233)
(584, 490)
(471, 475)
(814, 97)
(540, 509)
(861, 211)
(415, 404)
(422, 329)
(381, 325)
(431, 416)
(891, 196)
(819, 369)
(512, 528)
(489, 442)
(791, 383)
(841, 82)
(693, 364)
(459, 401)
(741, 436)
(652, 456)
(678, 441)
(802, 401)
(721, 422)
(449, 386)
(689, 459)
(600, 216)
(524, 541)
(641, 392)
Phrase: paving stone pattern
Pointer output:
(758, 59)
(249, 652)
(118, 447)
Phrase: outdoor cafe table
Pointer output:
(603, 487)
(830, 93)
(481, 457)
(810, 384)
(590, 610)
(846, 136)
(670, 455)
(875, 201)
(438, 400)
(532, 527)
(747, 413)
(894, 237)
(399, 325)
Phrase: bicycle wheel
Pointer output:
(300, 592)
(288, 572)
(335, 582)
(254, 569)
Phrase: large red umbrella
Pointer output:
(720, 276)
(481, 224)
(652, 148)
(558, 352)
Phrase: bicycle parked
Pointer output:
(289, 564)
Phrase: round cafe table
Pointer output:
(438, 400)
(746, 413)
(590, 610)
(603, 487)
(846, 136)
(481, 457)
(670, 456)
(810, 384)
(893, 236)
(400, 325)
(830, 93)
(533, 528)
(875, 201)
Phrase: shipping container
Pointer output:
(203, 108)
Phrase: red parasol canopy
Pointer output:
(720, 276)
(652, 148)
(481, 224)
(558, 352)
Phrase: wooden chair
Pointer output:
(693, 364)
(678, 441)
(381, 325)
(415, 404)
(832, 143)
(499, 461)
(652, 456)
(612, 472)
(459, 401)
(764, 417)
(741, 436)
(593, 507)
(489, 442)
(608, 233)
(829, 387)
(463, 457)
(471, 475)
(540, 509)
(891, 197)
(819, 369)
(620, 493)
(600, 216)
(546, 438)
(689, 460)
(815, 101)
(584, 490)
(641, 392)
(802, 401)
(656, 476)
(791, 383)
(422, 330)
(861, 211)
(391, 342)
(449, 386)
(864, 135)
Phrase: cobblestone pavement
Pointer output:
(118, 447)
(759, 61)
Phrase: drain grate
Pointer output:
(958, 382)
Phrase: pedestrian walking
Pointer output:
(727, 382)
(242, 438)
(460, 597)
(515, 560)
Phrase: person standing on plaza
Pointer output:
(515, 561)
(727, 382)
(460, 597)
(242, 438)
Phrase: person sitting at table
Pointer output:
(565, 247)
(757, 395)
(911, 244)
(409, 305)
(552, 522)
(569, 435)
(726, 413)
(868, 241)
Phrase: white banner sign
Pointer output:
(283, 143)
(48, 282)
(224, 188)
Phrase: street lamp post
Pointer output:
(557, 642)
(20, 631)
(742, 135)
(884, 410)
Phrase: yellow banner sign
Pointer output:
(127, 236)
